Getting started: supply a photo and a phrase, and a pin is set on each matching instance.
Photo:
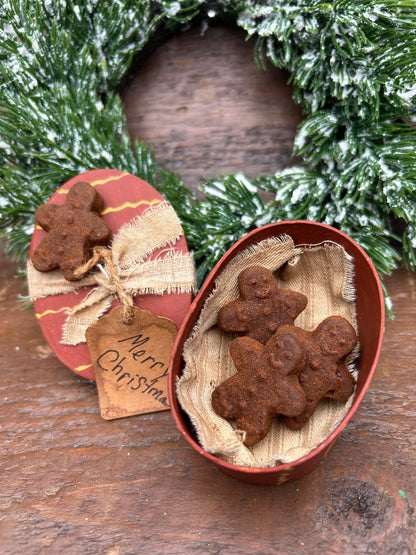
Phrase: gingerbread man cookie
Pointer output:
(266, 384)
(262, 307)
(72, 229)
(325, 374)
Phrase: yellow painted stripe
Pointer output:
(82, 368)
(98, 182)
(111, 209)
(113, 178)
(64, 308)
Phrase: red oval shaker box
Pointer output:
(370, 322)
(125, 197)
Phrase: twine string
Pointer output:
(102, 255)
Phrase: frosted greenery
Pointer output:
(353, 68)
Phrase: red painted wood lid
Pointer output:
(125, 198)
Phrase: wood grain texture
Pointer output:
(74, 483)
(206, 108)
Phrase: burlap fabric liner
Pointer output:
(324, 273)
(171, 271)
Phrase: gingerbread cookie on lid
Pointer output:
(72, 229)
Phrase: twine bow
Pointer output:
(112, 282)
(127, 271)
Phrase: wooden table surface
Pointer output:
(74, 483)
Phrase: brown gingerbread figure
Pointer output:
(325, 374)
(266, 384)
(72, 229)
(262, 307)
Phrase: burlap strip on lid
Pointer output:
(324, 273)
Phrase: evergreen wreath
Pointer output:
(353, 67)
